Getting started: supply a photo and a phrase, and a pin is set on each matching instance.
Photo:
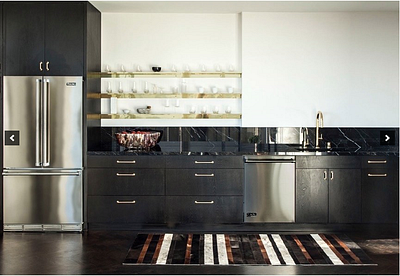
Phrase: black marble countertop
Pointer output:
(240, 153)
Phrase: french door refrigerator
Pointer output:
(42, 153)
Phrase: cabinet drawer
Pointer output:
(322, 162)
(126, 161)
(380, 196)
(379, 162)
(204, 209)
(126, 209)
(204, 162)
(204, 182)
(125, 181)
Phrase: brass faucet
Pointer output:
(305, 143)
(320, 124)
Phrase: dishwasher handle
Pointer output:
(270, 161)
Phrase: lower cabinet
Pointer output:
(380, 190)
(204, 209)
(311, 196)
(328, 189)
(344, 196)
(126, 209)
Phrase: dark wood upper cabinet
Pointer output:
(24, 38)
(64, 39)
(44, 39)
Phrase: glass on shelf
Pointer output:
(109, 89)
(134, 89)
(146, 87)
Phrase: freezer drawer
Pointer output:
(42, 199)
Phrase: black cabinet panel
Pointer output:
(126, 209)
(44, 38)
(345, 196)
(311, 196)
(24, 38)
(126, 162)
(204, 182)
(322, 162)
(204, 162)
(383, 162)
(125, 181)
(64, 39)
(380, 196)
(204, 209)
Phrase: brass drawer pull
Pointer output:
(204, 162)
(126, 201)
(126, 174)
(204, 174)
(377, 174)
(377, 161)
(204, 202)
(126, 161)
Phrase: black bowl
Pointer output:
(156, 69)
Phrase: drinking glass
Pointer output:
(146, 87)
(109, 90)
(120, 89)
(134, 89)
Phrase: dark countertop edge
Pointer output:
(228, 153)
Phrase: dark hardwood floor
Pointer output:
(102, 252)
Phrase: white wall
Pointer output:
(167, 39)
(345, 64)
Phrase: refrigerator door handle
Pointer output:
(46, 123)
(38, 122)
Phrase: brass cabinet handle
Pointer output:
(126, 201)
(377, 174)
(47, 66)
(331, 175)
(204, 174)
(325, 175)
(204, 162)
(377, 161)
(126, 161)
(126, 174)
(204, 202)
(41, 66)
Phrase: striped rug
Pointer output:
(248, 249)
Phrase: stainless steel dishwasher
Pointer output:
(269, 190)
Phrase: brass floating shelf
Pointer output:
(165, 95)
(164, 116)
(165, 74)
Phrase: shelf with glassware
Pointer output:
(193, 95)
(165, 74)
(127, 96)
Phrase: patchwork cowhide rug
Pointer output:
(245, 249)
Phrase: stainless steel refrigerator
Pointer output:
(42, 153)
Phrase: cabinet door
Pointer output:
(311, 195)
(204, 182)
(64, 39)
(380, 195)
(126, 209)
(344, 195)
(115, 182)
(24, 38)
(204, 209)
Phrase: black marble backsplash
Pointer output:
(238, 139)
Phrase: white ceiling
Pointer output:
(206, 6)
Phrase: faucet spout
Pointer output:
(305, 143)
(319, 124)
